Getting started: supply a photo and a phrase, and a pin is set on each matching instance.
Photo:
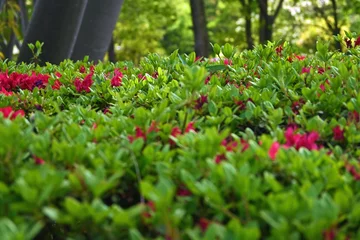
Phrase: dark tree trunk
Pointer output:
(267, 20)
(199, 28)
(337, 28)
(96, 30)
(56, 24)
(23, 16)
(111, 51)
(248, 24)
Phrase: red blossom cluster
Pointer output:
(349, 43)
(139, 133)
(201, 101)
(23, 81)
(176, 131)
(117, 78)
(231, 146)
(9, 112)
(296, 140)
(84, 85)
(353, 171)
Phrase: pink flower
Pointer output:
(274, 150)
(338, 133)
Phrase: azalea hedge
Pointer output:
(262, 144)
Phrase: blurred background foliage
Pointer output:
(162, 26)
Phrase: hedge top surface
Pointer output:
(261, 144)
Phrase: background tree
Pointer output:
(267, 20)
(246, 10)
(56, 24)
(96, 29)
(200, 27)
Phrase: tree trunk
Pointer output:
(263, 5)
(111, 51)
(199, 28)
(23, 16)
(56, 24)
(336, 29)
(96, 30)
(248, 23)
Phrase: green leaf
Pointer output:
(228, 50)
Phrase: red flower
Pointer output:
(219, 158)
(139, 133)
(6, 93)
(141, 77)
(278, 50)
(85, 84)
(321, 70)
(338, 133)
(296, 106)
(305, 70)
(227, 61)
(274, 150)
(57, 84)
(174, 132)
(352, 170)
(348, 43)
(207, 80)
(201, 101)
(117, 78)
(38, 161)
(329, 234)
(153, 127)
(204, 224)
(299, 57)
(182, 191)
(354, 116)
(58, 74)
(82, 69)
(357, 42)
(245, 144)
(307, 140)
(190, 127)
(241, 104)
(8, 112)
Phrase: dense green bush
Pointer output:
(257, 145)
